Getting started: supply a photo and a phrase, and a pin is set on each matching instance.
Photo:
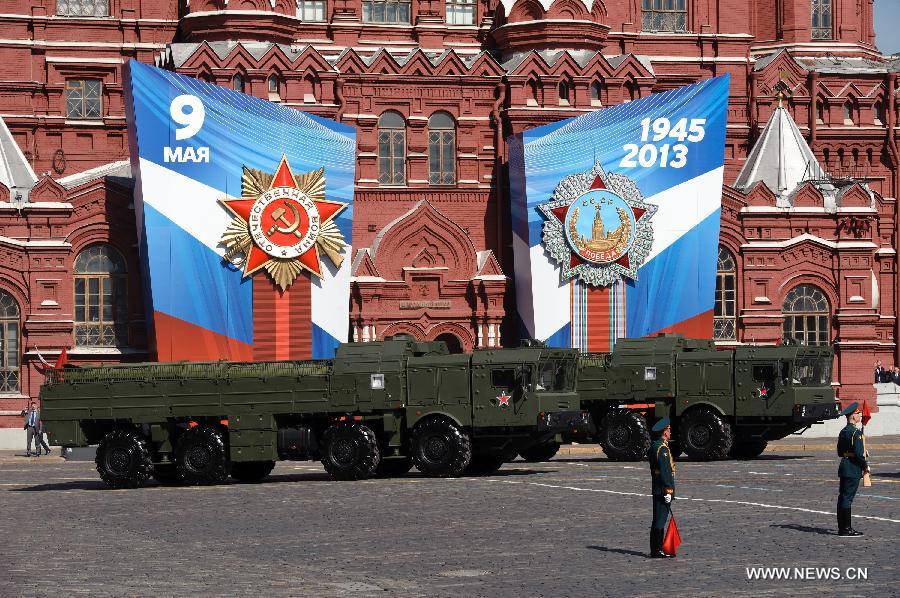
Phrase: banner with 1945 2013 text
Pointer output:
(244, 211)
(616, 219)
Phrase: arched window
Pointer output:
(806, 315)
(273, 84)
(237, 82)
(563, 92)
(630, 93)
(821, 19)
(391, 149)
(9, 344)
(724, 321)
(848, 112)
(820, 113)
(100, 298)
(441, 149)
(596, 99)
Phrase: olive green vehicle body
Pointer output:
(279, 410)
(761, 392)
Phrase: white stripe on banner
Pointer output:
(190, 205)
(682, 207)
(550, 296)
(329, 294)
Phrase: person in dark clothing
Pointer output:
(662, 471)
(851, 447)
(879, 372)
(40, 443)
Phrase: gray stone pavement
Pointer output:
(576, 526)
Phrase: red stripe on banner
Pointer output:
(283, 321)
(598, 319)
(301, 318)
(265, 318)
(700, 326)
(179, 340)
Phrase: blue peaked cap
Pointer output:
(850, 408)
(661, 425)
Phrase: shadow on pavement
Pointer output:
(619, 551)
(809, 530)
(895, 474)
(76, 485)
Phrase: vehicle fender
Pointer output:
(416, 416)
(680, 412)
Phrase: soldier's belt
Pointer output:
(657, 471)
(851, 454)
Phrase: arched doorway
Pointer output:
(453, 343)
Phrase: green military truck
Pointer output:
(722, 403)
(375, 409)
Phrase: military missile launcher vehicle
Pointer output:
(722, 403)
(375, 409)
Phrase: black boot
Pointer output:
(656, 540)
(844, 527)
(850, 531)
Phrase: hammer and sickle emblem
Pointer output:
(289, 227)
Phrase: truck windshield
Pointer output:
(811, 371)
(555, 375)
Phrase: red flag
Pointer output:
(866, 414)
(61, 360)
(672, 540)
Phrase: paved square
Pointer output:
(576, 526)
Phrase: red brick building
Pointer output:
(434, 87)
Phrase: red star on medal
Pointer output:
(503, 399)
(284, 181)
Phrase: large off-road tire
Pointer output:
(123, 459)
(484, 464)
(167, 475)
(440, 449)
(350, 451)
(394, 468)
(705, 435)
(201, 458)
(540, 452)
(748, 448)
(623, 435)
(251, 471)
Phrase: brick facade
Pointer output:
(517, 65)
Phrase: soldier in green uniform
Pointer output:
(851, 447)
(662, 470)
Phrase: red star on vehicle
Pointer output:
(763, 392)
(503, 399)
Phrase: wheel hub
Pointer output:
(343, 451)
(619, 436)
(700, 436)
(436, 448)
(117, 460)
(198, 458)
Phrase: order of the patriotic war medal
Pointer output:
(281, 223)
(598, 227)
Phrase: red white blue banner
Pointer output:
(244, 212)
(616, 219)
